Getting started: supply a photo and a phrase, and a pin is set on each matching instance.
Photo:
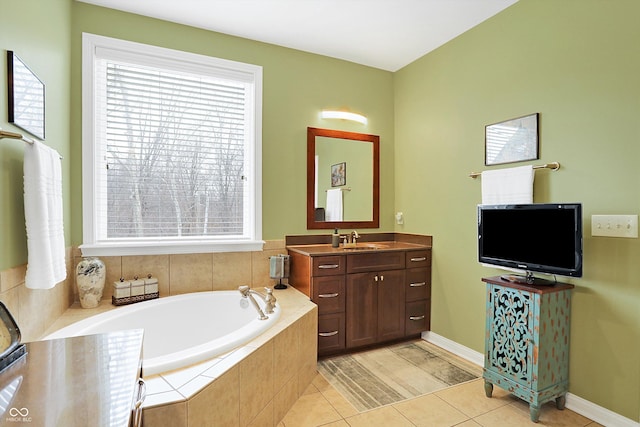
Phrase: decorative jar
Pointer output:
(90, 278)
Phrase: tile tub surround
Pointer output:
(255, 384)
(36, 309)
(184, 273)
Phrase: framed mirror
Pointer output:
(26, 97)
(343, 179)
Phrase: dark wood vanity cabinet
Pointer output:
(365, 297)
(418, 292)
(375, 307)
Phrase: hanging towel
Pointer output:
(43, 216)
(508, 186)
(276, 267)
(279, 267)
(334, 205)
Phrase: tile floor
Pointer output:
(463, 405)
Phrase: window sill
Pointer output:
(169, 248)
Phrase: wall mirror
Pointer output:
(26, 97)
(343, 179)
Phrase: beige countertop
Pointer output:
(380, 246)
(80, 381)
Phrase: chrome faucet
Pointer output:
(269, 300)
(354, 236)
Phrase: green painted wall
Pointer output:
(38, 32)
(577, 63)
(297, 86)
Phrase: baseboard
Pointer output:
(575, 403)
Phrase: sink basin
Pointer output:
(365, 247)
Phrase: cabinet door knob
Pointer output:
(328, 295)
(381, 278)
(418, 284)
(375, 278)
(328, 334)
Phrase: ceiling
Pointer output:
(385, 34)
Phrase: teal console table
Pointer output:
(527, 341)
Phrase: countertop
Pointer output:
(380, 246)
(80, 381)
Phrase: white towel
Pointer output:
(508, 186)
(43, 216)
(334, 205)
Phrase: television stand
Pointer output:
(527, 341)
(527, 279)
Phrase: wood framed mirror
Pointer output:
(343, 179)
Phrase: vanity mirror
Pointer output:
(343, 179)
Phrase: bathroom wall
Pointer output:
(577, 63)
(38, 32)
(297, 86)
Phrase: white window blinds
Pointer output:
(175, 143)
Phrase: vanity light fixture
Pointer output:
(345, 115)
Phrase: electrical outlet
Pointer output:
(399, 218)
(614, 225)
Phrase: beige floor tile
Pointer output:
(311, 389)
(385, 416)
(552, 416)
(321, 383)
(341, 423)
(469, 423)
(506, 416)
(339, 403)
(309, 411)
(470, 398)
(430, 411)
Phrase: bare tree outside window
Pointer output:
(175, 154)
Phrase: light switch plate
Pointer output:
(614, 225)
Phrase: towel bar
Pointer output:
(554, 166)
(18, 136)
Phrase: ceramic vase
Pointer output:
(90, 278)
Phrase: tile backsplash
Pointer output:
(36, 310)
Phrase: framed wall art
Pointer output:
(26, 97)
(339, 174)
(514, 140)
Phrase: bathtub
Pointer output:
(183, 329)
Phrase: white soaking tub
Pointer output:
(183, 329)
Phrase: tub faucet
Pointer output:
(269, 300)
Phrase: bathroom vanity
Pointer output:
(81, 381)
(376, 292)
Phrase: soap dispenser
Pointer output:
(335, 239)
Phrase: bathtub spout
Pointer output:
(247, 292)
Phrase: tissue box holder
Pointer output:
(136, 290)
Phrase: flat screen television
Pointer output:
(539, 237)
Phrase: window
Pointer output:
(171, 151)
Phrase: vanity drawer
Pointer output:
(421, 258)
(418, 284)
(417, 315)
(378, 261)
(331, 333)
(332, 265)
(329, 294)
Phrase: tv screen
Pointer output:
(540, 237)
